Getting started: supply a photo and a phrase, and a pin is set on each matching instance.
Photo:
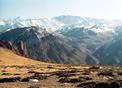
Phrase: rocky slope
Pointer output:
(37, 43)
(111, 53)
(91, 38)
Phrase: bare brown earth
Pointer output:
(15, 72)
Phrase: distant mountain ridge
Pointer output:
(19, 22)
(56, 23)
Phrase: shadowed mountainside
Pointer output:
(37, 43)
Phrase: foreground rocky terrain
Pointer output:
(16, 71)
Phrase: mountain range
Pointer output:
(64, 39)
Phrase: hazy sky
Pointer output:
(108, 9)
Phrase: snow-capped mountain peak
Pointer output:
(50, 24)
(60, 22)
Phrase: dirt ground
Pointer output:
(51, 82)
(61, 76)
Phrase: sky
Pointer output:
(103, 9)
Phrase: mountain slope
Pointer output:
(37, 43)
(110, 54)
(91, 38)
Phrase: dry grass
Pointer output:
(8, 58)
(15, 71)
